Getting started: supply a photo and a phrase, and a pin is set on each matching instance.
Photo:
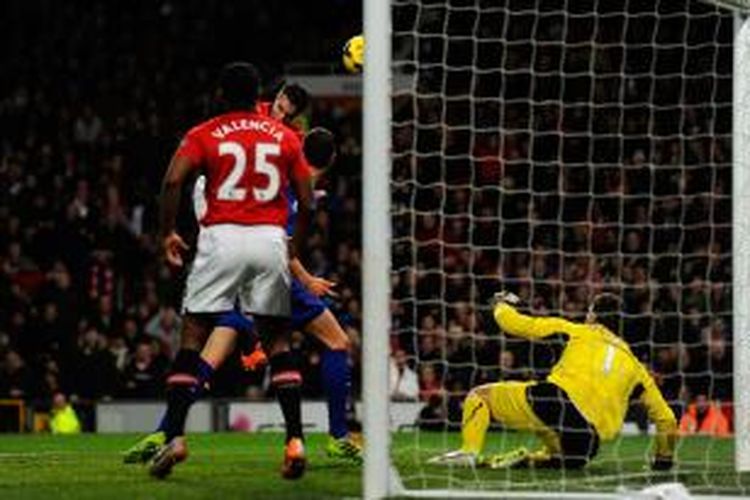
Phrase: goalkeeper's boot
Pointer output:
(144, 450)
(513, 459)
(458, 458)
(345, 448)
(538, 458)
(255, 360)
(294, 459)
(168, 456)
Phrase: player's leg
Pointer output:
(337, 383)
(310, 314)
(188, 376)
(286, 380)
(531, 413)
(212, 287)
(474, 424)
(543, 457)
(216, 350)
(252, 355)
(577, 441)
(504, 402)
(187, 379)
(475, 420)
(266, 295)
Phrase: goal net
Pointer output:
(560, 149)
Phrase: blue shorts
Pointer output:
(235, 320)
(305, 308)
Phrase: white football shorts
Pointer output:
(237, 264)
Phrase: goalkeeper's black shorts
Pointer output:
(578, 438)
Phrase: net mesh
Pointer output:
(560, 149)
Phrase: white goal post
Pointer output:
(376, 246)
(741, 239)
(380, 480)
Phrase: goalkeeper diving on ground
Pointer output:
(583, 400)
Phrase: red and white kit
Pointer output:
(248, 161)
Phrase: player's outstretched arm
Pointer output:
(522, 325)
(173, 244)
(662, 416)
(315, 284)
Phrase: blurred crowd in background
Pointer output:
(569, 157)
(93, 101)
(577, 153)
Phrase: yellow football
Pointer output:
(354, 54)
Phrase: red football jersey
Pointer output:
(265, 108)
(248, 160)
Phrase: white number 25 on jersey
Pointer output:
(263, 151)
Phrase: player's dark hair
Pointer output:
(608, 308)
(319, 147)
(298, 96)
(238, 85)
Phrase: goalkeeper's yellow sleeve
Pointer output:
(529, 327)
(660, 414)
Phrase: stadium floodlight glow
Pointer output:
(554, 148)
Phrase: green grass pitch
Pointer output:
(226, 466)
(705, 466)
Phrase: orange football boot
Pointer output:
(255, 360)
(294, 459)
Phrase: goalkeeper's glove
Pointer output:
(505, 297)
(662, 463)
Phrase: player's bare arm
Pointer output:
(172, 243)
(317, 285)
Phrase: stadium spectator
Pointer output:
(143, 378)
(104, 318)
(433, 415)
(704, 416)
(130, 330)
(118, 348)
(429, 347)
(88, 127)
(165, 326)
(404, 382)
(94, 373)
(16, 380)
(63, 418)
(429, 383)
(669, 367)
(48, 333)
(507, 370)
(50, 384)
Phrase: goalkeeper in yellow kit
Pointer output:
(582, 401)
